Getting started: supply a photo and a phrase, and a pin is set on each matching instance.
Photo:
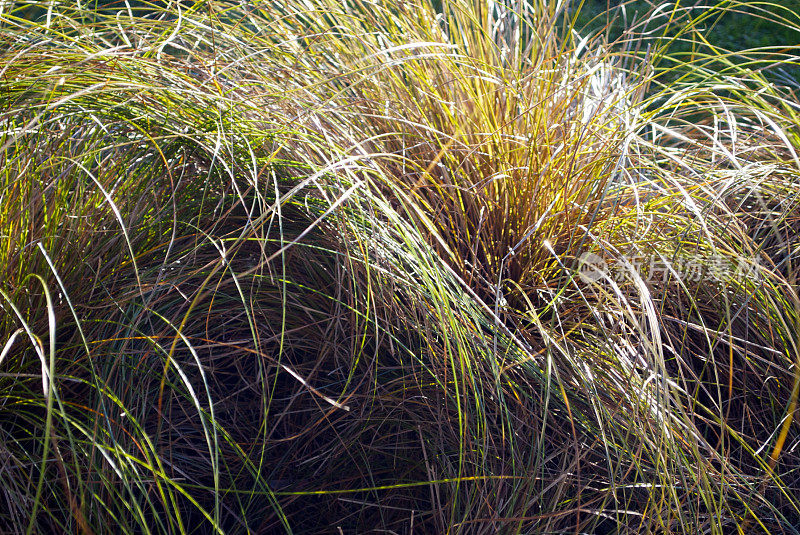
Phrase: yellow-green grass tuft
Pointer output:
(312, 267)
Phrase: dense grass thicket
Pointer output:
(321, 267)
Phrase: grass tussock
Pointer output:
(410, 267)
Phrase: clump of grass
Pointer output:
(296, 268)
(514, 161)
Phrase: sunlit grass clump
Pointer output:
(408, 267)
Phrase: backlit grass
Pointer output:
(319, 267)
